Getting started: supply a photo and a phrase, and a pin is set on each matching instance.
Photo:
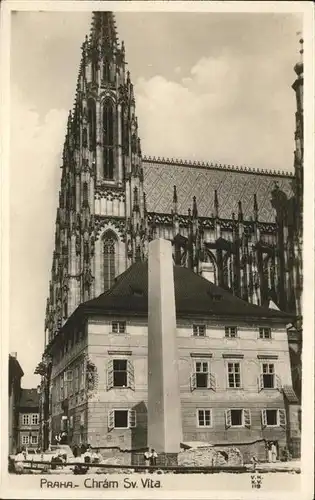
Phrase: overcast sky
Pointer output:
(212, 87)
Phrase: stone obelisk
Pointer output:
(164, 408)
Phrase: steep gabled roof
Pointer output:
(194, 295)
(29, 399)
(233, 184)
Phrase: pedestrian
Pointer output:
(147, 458)
(153, 457)
(269, 452)
(18, 462)
(96, 457)
(273, 452)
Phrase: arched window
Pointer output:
(94, 71)
(106, 71)
(124, 130)
(109, 247)
(108, 140)
(92, 124)
(84, 138)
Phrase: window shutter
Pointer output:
(212, 381)
(82, 375)
(193, 381)
(228, 418)
(76, 379)
(130, 375)
(110, 374)
(260, 382)
(282, 418)
(65, 385)
(131, 419)
(278, 382)
(111, 420)
(82, 419)
(264, 418)
(70, 382)
(247, 418)
(71, 422)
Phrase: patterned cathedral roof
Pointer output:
(233, 184)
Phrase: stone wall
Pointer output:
(210, 457)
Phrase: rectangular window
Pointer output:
(35, 419)
(199, 330)
(265, 333)
(121, 419)
(61, 388)
(204, 418)
(26, 419)
(268, 375)
(201, 378)
(25, 439)
(231, 332)
(76, 379)
(119, 327)
(202, 373)
(82, 375)
(120, 372)
(70, 382)
(34, 440)
(234, 375)
(237, 418)
(273, 418)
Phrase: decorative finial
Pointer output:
(174, 195)
(216, 203)
(240, 211)
(194, 210)
(144, 203)
(301, 42)
(255, 207)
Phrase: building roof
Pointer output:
(29, 398)
(289, 393)
(194, 295)
(15, 370)
(233, 184)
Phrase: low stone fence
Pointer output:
(210, 457)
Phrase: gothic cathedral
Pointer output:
(233, 225)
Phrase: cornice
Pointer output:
(215, 166)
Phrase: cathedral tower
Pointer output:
(101, 219)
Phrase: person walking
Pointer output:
(273, 452)
(153, 457)
(18, 462)
(147, 458)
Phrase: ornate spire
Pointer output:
(103, 29)
(255, 207)
(240, 211)
(194, 210)
(145, 204)
(175, 195)
(216, 204)
(298, 68)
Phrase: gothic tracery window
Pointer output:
(110, 241)
(92, 124)
(106, 71)
(94, 70)
(108, 140)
